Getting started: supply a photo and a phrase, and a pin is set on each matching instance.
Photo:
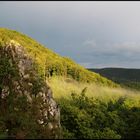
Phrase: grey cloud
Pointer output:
(92, 33)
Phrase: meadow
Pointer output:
(63, 87)
(95, 111)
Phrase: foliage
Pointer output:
(19, 119)
(96, 112)
(84, 117)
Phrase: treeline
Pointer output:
(89, 118)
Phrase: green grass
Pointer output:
(95, 111)
(63, 87)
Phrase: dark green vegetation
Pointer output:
(50, 63)
(84, 117)
(123, 76)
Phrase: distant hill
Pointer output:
(50, 63)
(124, 76)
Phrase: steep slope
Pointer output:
(50, 63)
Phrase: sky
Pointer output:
(95, 34)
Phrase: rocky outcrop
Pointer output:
(27, 82)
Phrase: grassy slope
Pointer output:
(111, 113)
(63, 87)
(60, 86)
(50, 62)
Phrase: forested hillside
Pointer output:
(124, 76)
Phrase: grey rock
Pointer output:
(21, 87)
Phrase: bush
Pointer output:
(84, 117)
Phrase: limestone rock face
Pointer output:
(27, 82)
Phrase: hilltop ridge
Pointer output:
(49, 62)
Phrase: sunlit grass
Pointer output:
(63, 87)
